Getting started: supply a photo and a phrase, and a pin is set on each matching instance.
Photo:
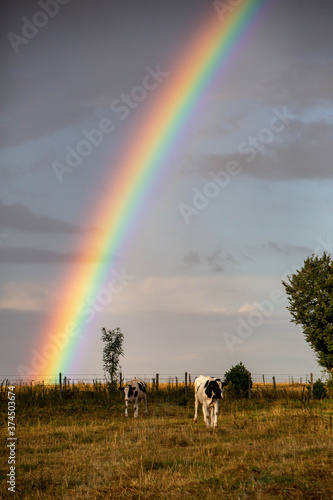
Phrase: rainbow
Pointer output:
(203, 63)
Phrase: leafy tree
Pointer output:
(310, 295)
(238, 377)
(113, 348)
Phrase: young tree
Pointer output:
(113, 348)
(310, 295)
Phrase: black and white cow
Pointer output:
(208, 392)
(135, 391)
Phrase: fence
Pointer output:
(157, 378)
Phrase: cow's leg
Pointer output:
(126, 408)
(196, 409)
(212, 414)
(216, 413)
(205, 412)
(136, 407)
(146, 409)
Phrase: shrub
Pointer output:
(319, 390)
(237, 380)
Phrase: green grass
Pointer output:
(82, 447)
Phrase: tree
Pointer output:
(310, 295)
(113, 348)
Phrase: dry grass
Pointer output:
(260, 450)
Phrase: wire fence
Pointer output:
(163, 378)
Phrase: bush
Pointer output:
(319, 390)
(237, 380)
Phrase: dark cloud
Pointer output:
(192, 258)
(287, 248)
(218, 261)
(19, 217)
(28, 255)
(85, 52)
(300, 151)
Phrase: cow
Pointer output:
(134, 391)
(208, 392)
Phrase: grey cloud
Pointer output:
(192, 258)
(28, 255)
(19, 217)
(302, 151)
(287, 248)
(217, 261)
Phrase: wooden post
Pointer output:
(185, 383)
(60, 383)
(311, 382)
(120, 379)
(292, 380)
(65, 382)
(189, 380)
(157, 380)
(274, 384)
(250, 386)
(176, 378)
(263, 380)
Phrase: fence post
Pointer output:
(185, 383)
(157, 380)
(189, 380)
(65, 382)
(60, 383)
(120, 380)
(274, 384)
(292, 380)
(250, 387)
(311, 382)
(176, 382)
(263, 380)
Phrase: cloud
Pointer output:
(301, 151)
(23, 296)
(287, 248)
(192, 258)
(218, 261)
(20, 217)
(28, 255)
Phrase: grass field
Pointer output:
(82, 447)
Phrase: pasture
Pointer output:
(80, 446)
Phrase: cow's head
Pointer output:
(213, 389)
(128, 391)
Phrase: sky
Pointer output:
(244, 198)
